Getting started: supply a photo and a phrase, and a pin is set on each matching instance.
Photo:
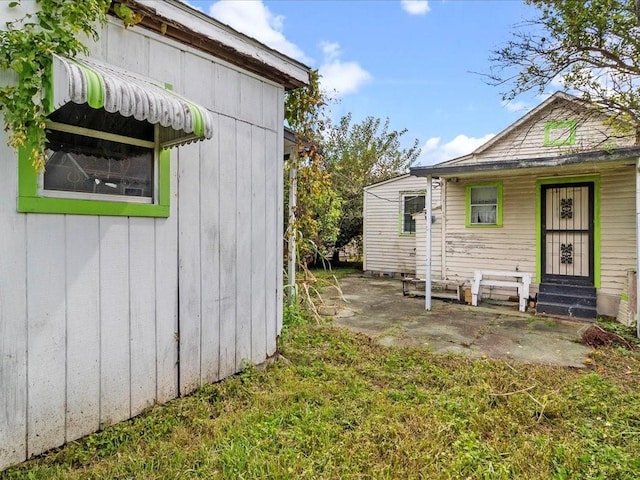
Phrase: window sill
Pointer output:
(90, 207)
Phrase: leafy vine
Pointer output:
(26, 47)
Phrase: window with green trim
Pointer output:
(411, 203)
(484, 205)
(560, 133)
(97, 163)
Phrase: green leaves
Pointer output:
(26, 48)
(592, 48)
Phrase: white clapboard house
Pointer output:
(553, 196)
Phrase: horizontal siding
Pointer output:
(618, 228)
(436, 246)
(527, 141)
(385, 249)
(513, 247)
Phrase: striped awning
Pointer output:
(104, 86)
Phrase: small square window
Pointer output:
(557, 134)
(411, 203)
(484, 205)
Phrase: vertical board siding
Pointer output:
(46, 323)
(83, 325)
(115, 374)
(273, 240)
(103, 316)
(142, 276)
(13, 313)
(385, 249)
(210, 257)
(189, 267)
(228, 266)
(243, 244)
(163, 63)
(258, 246)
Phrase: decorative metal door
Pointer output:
(567, 233)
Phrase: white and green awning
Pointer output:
(116, 91)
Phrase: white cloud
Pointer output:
(415, 7)
(433, 151)
(338, 77)
(254, 19)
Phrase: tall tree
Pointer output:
(318, 206)
(358, 155)
(591, 47)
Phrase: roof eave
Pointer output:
(589, 158)
(185, 24)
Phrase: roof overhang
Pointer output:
(179, 21)
(525, 165)
(84, 81)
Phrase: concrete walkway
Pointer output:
(377, 308)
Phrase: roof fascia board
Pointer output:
(526, 163)
(525, 118)
(389, 180)
(184, 23)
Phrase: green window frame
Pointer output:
(567, 129)
(32, 198)
(410, 203)
(476, 207)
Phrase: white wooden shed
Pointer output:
(391, 215)
(131, 277)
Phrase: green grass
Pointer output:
(345, 408)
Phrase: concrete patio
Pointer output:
(377, 308)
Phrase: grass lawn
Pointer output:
(344, 408)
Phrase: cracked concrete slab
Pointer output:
(377, 308)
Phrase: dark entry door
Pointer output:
(567, 233)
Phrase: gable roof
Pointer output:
(529, 116)
(520, 145)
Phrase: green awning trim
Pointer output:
(107, 87)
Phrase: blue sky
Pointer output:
(409, 61)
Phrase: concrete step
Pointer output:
(570, 310)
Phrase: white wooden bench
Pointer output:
(518, 280)
(445, 289)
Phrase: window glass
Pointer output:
(77, 163)
(484, 205)
(411, 204)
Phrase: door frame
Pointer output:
(595, 227)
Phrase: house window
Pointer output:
(559, 133)
(484, 205)
(411, 203)
(97, 163)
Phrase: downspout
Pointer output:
(428, 228)
(638, 247)
(293, 201)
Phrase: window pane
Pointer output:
(484, 195)
(481, 214)
(413, 204)
(76, 163)
(409, 224)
